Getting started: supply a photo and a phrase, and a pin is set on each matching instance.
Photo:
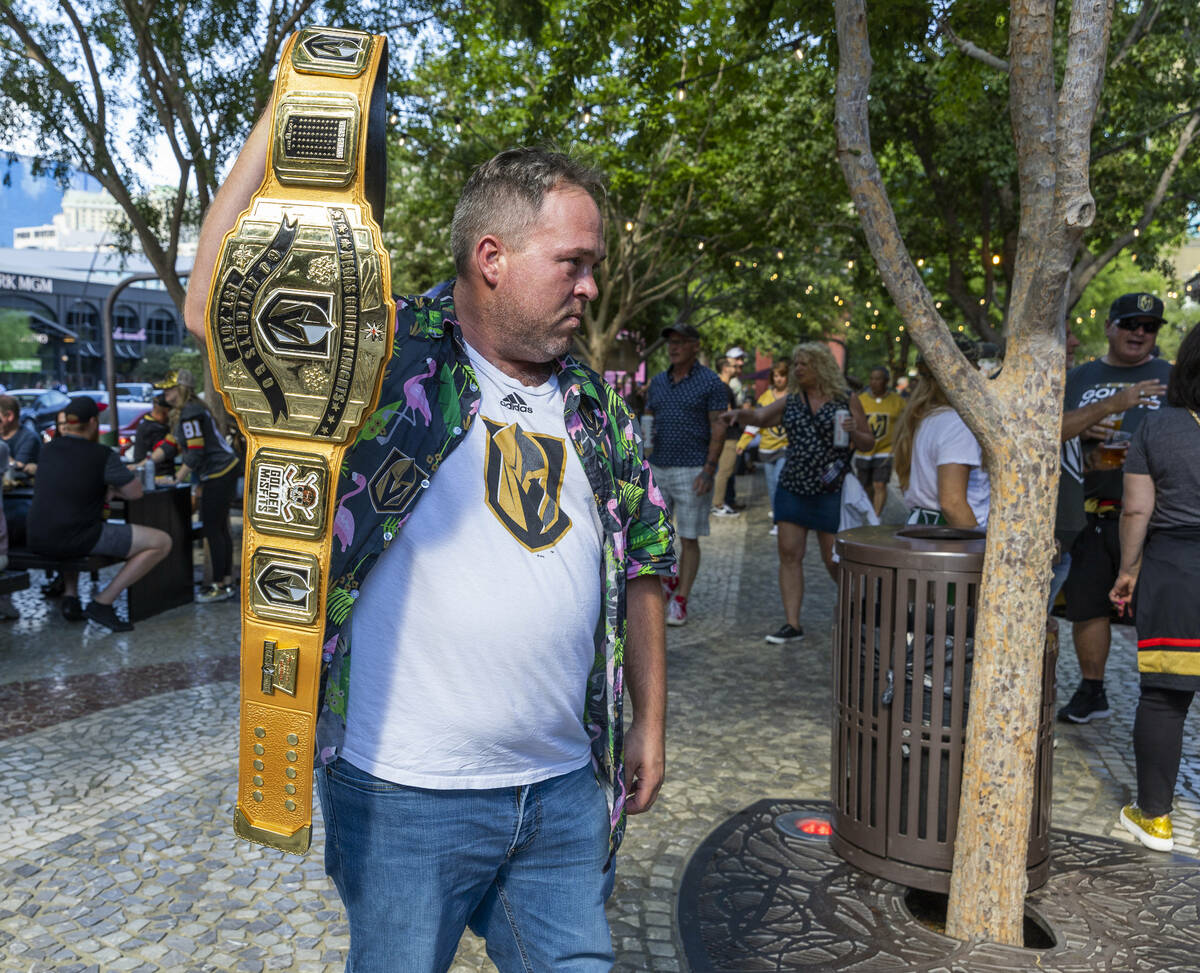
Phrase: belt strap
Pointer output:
(300, 320)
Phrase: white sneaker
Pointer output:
(677, 611)
(774, 531)
(725, 511)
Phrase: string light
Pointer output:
(799, 314)
(457, 125)
(876, 312)
(938, 305)
(774, 277)
(995, 258)
(629, 226)
(680, 92)
(868, 303)
(700, 246)
(778, 254)
(587, 116)
(1136, 231)
(797, 51)
(849, 264)
(920, 261)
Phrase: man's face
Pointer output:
(546, 284)
(8, 422)
(734, 365)
(682, 351)
(1131, 347)
(878, 381)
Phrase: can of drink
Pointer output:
(148, 475)
(841, 435)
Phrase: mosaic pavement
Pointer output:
(117, 778)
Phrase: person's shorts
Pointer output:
(115, 541)
(689, 511)
(873, 469)
(822, 512)
(1095, 562)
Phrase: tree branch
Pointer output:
(975, 51)
(1142, 25)
(964, 384)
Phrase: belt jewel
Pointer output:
(300, 319)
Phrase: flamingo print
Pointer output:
(414, 395)
(343, 520)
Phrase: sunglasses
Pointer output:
(1150, 327)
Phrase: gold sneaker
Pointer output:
(1154, 833)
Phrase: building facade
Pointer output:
(61, 296)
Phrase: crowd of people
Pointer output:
(1126, 508)
(56, 494)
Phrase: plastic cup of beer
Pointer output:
(1110, 454)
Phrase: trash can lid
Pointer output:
(935, 548)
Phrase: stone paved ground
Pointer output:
(117, 779)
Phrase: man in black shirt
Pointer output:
(151, 430)
(23, 446)
(75, 475)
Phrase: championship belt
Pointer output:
(300, 319)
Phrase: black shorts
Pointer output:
(1095, 562)
(873, 469)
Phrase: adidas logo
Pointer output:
(515, 402)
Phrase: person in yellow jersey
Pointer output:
(772, 449)
(883, 406)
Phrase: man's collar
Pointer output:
(691, 368)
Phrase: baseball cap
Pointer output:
(176, 376)
(81, 409)
(683, 330)
(735, 352)
(1136, 305)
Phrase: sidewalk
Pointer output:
(117, 778)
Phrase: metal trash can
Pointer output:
(903, 650)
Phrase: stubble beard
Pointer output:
(523, 336)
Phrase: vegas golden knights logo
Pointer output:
(524, 476)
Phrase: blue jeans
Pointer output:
(522, 866)
(771, 469)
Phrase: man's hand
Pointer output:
(702, 484)
(645, 763)
(1122, 592)
(1140, 393)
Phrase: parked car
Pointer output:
(40, 407)
(135, 391)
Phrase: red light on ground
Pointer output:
(817, 827)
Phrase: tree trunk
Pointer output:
(1016, 418)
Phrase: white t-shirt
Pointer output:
(474, 635)
(942, 437)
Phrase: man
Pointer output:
(729, 370)
(883, 408)
(467, 754)
(1106, 400)
(151, 431)
(75, 476)
(23, 445)
(683, 408)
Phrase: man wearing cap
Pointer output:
(206, 454)
(1106, 400)
(23, 445)
(151, 431)
(76, 473)
(684, 439)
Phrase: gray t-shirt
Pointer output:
(1167, 448)
(1096, 380)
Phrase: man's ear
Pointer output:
(490, 259)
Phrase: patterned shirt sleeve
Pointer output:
(650, 538)
(718, 396)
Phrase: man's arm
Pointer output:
(717, 428)
(646, 679)
(233, 197)
(1078, 420)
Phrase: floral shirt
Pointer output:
(429, 399)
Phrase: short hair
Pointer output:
(9, 404)
(1183, 387)
(881, 368)
(505, 195)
